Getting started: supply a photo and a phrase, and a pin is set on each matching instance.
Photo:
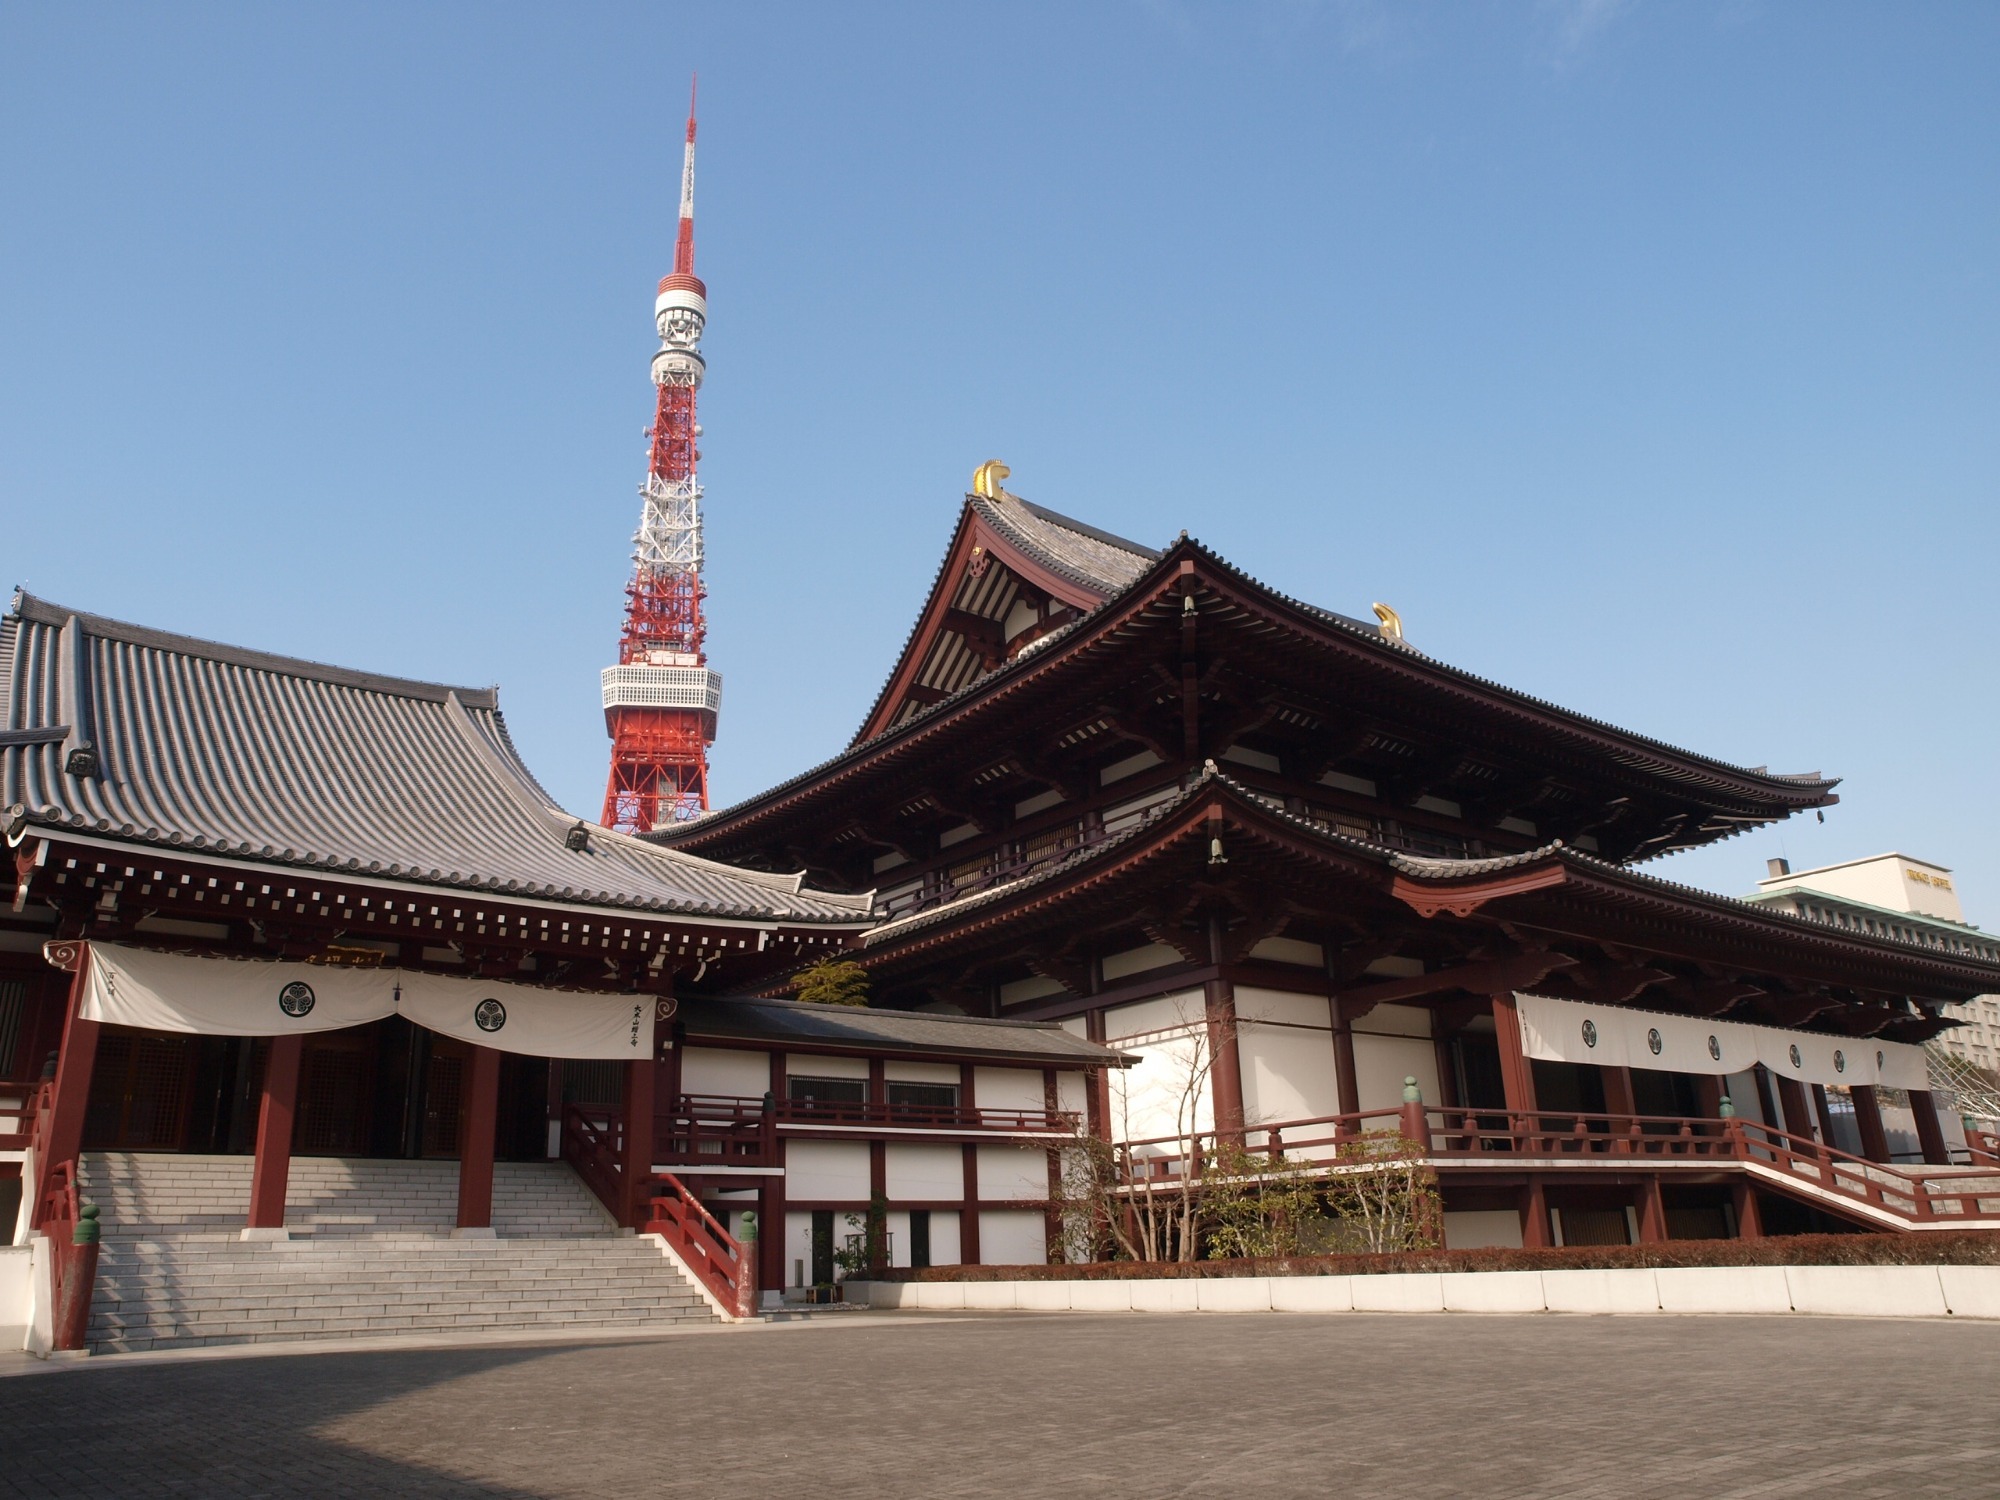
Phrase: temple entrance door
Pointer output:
(139, 1092)
(336, 1094)
(444, 1096)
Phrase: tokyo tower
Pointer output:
(661, 700)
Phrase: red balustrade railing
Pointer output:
(1465, 1136)
(26, 1103)
(73, 1249)
(590, 1144)
(727, 1268)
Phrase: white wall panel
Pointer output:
(819, 1170)
(1152, 1098)
(1013, 1239)
(945, 1241)
(1381, 1063)
(1287, 1074)
(805, 1065)
(1013, 1172)
(737, 1075)
(916, 1072)
(1482, 1229)
(1007, 1088)
(1163, 1013)
(924, 1172)
(798, 1249)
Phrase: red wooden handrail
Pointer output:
(72, 1266)
(1448, 1135)
(590, 1146)
(708, 1250)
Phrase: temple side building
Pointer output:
(1138, 793)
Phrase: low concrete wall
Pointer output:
(17, 1295)
(1845, 1291)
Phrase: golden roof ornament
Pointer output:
(1392, 623)
(986, 479)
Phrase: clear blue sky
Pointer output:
(1642, 354)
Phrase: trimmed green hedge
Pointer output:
(1961, 1248)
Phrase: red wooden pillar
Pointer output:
(636, 1153)
(1618, 1096)
(1798, 1114)
(62, 1138)
(968, 1217)
(771, 1229)
(275, 1113)
(1345, 1076)
(1225, 1075)
(1097, 1101)
(1930, 1130)
(1534, 1216)
(1824, 1112)
(1708, 1095)
(1868, 1120)
(1652, 1213)
(1749, 1221)
(475, 1148)
(1517, 1076)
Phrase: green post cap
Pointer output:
(1411, 1093)
(749, 1230)
(87, 1229)
(1726, 1109)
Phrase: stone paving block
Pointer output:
(1177, 1295)
(1312, 1293)
(1493, 1292)
(1723, 1289)
(1971, 1291)
(1867, 1291)
(1233, 1294)
(1403, 1292)
(1587, 1291)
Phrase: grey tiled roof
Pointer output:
(890, 1031)
(136, 735)
(1096, 559)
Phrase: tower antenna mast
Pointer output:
(661, 700)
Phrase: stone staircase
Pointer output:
(372, 1256)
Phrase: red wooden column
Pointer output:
(1868, 1119)
(1930, 1130)
(636, 1155)
(62, 1138)
(1824, 1113)
(1517, 1076)
(968, 1216)
(1652, 1213)
(1345, 1076)
(1749, 1222)
(1618, 1096)
(475, 1147)
(275, 1113)
(1797, 1112)
(1534, 1216)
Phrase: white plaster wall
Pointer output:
(1138, 960)
(945, 1240)
(1288, 1074)
(899, 1237)
(17, 1295)
(798, 1249)
(1007, 1088)
(924, 1172)
(1073, 1089)
(736, 1075)
(1012, 1239)
(1396, 1020)
(916, 1072)
(1381, 1063)
(826, 1169)
(1282, 950)
(1482, 1228)
(1742, 1091)
(1013, 1172)
(803, 1065)
(1150, 1099)
(1028, 989)
(1162, 1013)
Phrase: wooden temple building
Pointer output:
(1138, 793)
(277, 925)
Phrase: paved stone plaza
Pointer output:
(1072, 1406)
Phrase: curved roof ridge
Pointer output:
(45, 612)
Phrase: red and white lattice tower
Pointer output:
(661, 700)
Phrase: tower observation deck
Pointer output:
(661, 699)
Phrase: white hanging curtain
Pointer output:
(231, 997)
(1611, 1036)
